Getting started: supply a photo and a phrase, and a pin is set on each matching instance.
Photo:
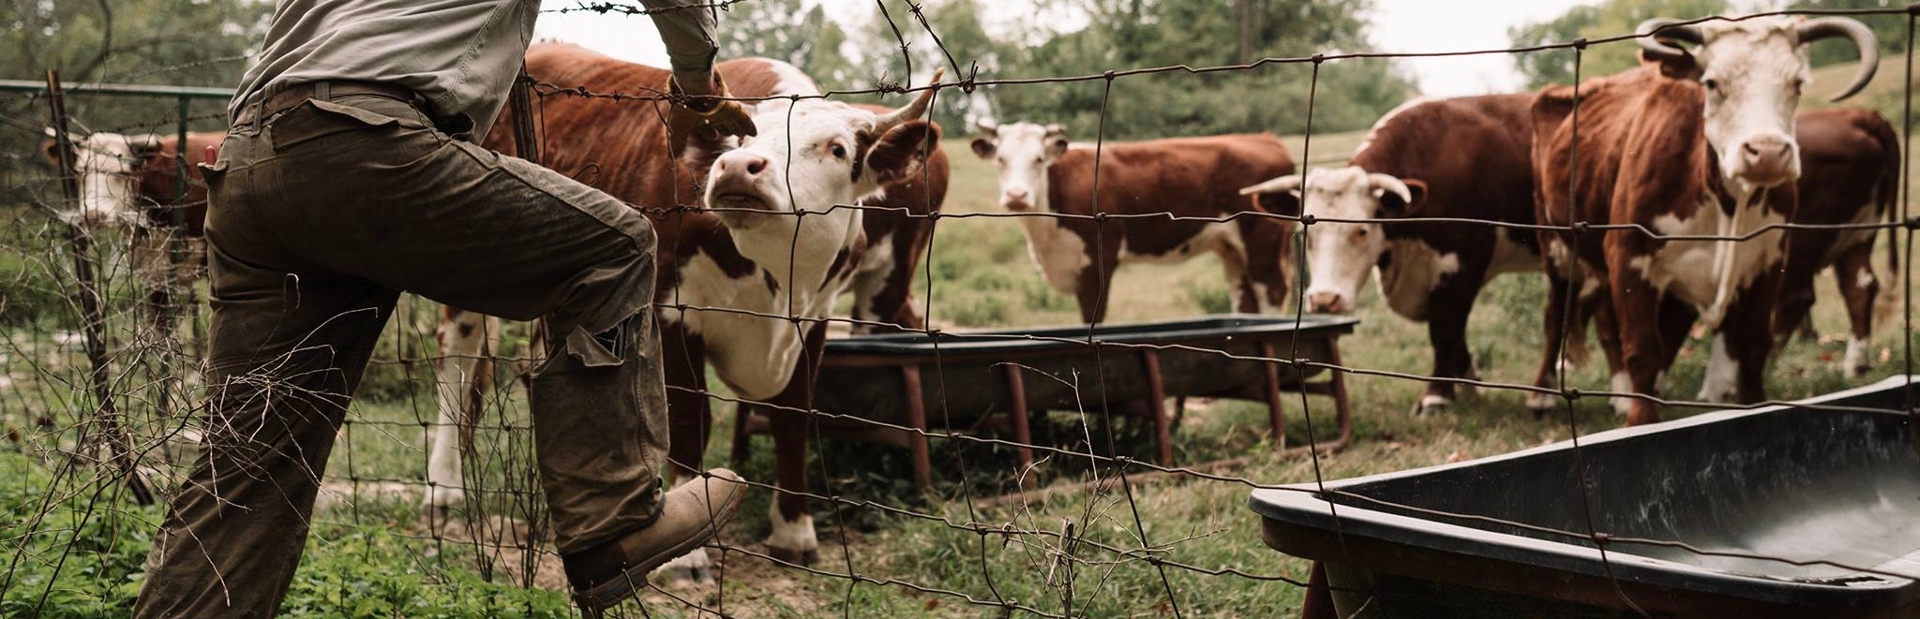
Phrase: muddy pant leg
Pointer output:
(283, 363)
(497, 235)
(599, 417)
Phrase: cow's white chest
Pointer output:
(1696, 271)
(753, 354)
(1060, 254)
(1411, 275)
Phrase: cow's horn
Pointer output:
(1655, 45)
(987, 128)
(1390, 184)
(913, 110)
(1862, 36)
(1056, 129)
(1289, 182)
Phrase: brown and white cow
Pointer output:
(1699, 142)
(1041, 172)
(1850, 174)
(134, 182)
(1466, 157)
(771, 245)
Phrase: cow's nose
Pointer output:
(1767, 156)
(1324, 302)
(743, 164)
(1016, 195)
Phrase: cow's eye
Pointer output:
(1798, 83)
(1712, 84)
(838, 151)
(1038, 161)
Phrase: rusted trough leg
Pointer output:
(1319, 602)
(1022, 431)
(1275, 417)
(917, 418)
(1337, 382)
(1157, 406)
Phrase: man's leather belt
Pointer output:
(283, 99)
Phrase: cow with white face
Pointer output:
(1448, 158)
(133, 182)
(106, 166)
(746, 282)
(1191, 180)
(1701, 141)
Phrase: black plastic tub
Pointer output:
(963, 376)
(1819, 487)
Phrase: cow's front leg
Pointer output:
(1636, 306)
(1092, 288)
(1748, 329)
(1447, 330)
(467, 341)
(792, 538)
(1556, 330)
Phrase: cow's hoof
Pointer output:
(801, 558)
(1540, 404)
(443, 498)
(1432, 405)
(693, 568)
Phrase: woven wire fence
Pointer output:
(101, 379)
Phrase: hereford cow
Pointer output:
(133, 181)
(725, 271)
(1697, 142)
(1850, 174)
(1465, 157)
(1181, 177)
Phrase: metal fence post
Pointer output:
(92, 317)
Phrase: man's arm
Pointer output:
(686, 26)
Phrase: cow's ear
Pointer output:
(52, 149)
(900, 153)
(1392, 204)
(983, 148)
(1678, 67)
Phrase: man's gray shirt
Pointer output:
(461, 55)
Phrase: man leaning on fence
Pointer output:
(351, 175)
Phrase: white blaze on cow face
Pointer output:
(1341, 254)
(1022, 151)
(1753, 71)
(105, 165)
(811, 159)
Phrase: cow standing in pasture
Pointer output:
(1698, 142)
(134, 182)
(1041, 174)
(771, 246)
(1467, 158)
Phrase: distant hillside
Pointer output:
(1885, 94)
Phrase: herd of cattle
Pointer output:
(1640, 174)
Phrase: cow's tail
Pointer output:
(1887, 198)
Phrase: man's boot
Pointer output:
(607, 574)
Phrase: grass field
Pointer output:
(368, 558)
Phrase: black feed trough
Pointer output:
(1836, 492)
(991, 381)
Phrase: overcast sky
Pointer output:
(1399, 26)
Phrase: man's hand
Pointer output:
(709, 114)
